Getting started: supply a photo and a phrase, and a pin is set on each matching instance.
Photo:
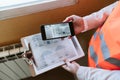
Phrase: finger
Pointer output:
(64, 59)
(68, 63)
(68, 19)
(66, 67)
(75, 63)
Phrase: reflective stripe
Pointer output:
(93, 55)
(114, 61)
(98, 66)
(95, 35)
(109, 66)
(104, 48)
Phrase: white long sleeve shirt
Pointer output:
(87, 73)
(98, 18)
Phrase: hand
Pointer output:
(71, 67)
(78, 23)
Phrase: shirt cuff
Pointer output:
(82, 73)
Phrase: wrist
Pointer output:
(76, 68)
(85, 25)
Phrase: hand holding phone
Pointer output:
(59, 30)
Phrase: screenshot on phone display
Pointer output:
(59, 30)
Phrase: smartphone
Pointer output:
(58, 30)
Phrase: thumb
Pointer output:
(66, 67)
(68, 19)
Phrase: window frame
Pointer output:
(15, 11)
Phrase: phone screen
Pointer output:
(57, 30)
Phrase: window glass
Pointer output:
(10, 3)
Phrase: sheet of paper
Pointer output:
(49, 54)
(52, 51)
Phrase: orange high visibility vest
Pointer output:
(104, 47)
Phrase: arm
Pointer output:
(87, 73)
(96, 19)
(90, 21)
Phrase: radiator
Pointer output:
(12, 65)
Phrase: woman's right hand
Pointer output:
(78, 23)
(71, 66)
